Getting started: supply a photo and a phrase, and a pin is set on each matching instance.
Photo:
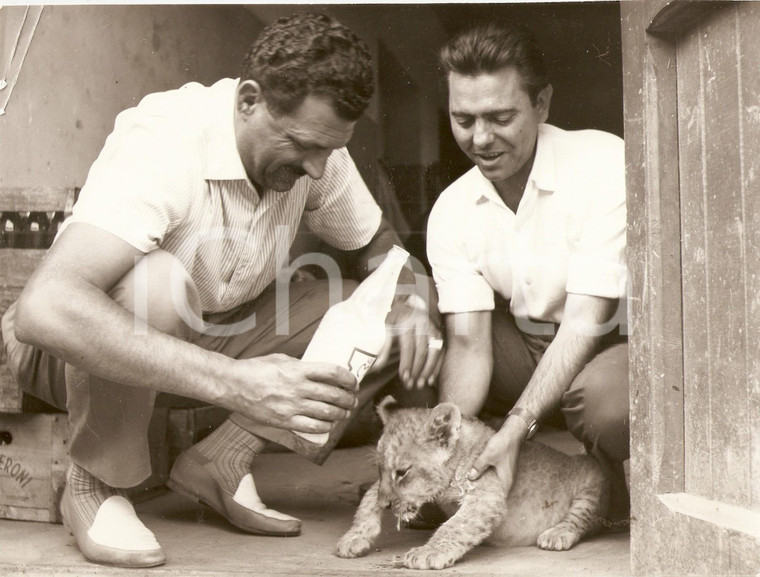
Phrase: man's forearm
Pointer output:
(563, 361)
(97, 335)
(89, 330)
(468, 364)
(576, 343)
(465, 380)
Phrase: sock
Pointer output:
(233, 450)
(88, 492)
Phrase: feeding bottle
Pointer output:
(352, 332)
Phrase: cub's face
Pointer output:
(413, 454)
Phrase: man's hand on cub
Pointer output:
(501, 453)
(287, 393)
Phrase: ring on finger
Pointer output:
(435, 343)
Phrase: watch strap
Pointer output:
(527, 417)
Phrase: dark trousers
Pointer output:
(595, 407)
(109, 421)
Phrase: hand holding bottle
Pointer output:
(286, 393)
(353, 332)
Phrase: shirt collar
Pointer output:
(543, 173)
(486, 191)
(223, 160)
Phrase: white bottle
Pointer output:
(352, 332)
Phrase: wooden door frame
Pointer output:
(665, 535)
(654, 259)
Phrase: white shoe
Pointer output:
(117, 537)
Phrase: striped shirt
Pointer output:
(170, 176)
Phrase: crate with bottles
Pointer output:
(29, 220)
(27, 229)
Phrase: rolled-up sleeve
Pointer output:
(460, 284)
(141, 185)
(597, 264)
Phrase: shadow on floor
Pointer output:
(198, 542)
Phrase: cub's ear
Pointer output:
(443, 424)
(387, 406)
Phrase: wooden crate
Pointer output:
(17, 265)
(34, 459)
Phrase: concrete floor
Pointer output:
(198, 542)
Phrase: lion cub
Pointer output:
(424, 456)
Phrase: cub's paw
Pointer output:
(352, 545)
(426, 557)
(558, 539)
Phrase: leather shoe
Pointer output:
(116, 537)
(197, 478)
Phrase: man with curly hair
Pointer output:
(171, 276)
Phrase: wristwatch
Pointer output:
(526, 416)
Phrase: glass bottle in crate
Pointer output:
(55, 220)
(22, 232)
(352, 332)
(11, 227)
(37, 227)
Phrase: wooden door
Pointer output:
(692, 114)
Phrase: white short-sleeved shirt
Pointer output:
(568, 235)
(170, 176)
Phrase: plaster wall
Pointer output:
(87, 63)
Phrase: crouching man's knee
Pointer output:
(596, 407)
(160, 293)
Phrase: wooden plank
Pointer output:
(697, 384)
(681, 545)
(663, 541)
(742, 554)
(18, 264)
(664, 267)
(633, 49)
(652, 459)
(650, 11)
(37, 199)
(749, 53)
(714, 512)
(698, 543)
(657, 424)
(675, 18)
(726, 351)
